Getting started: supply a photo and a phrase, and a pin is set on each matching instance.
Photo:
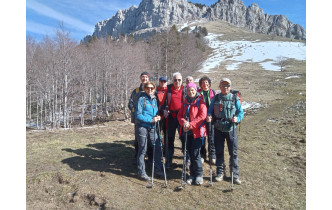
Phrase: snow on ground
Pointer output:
(237, 52)
(291, 77)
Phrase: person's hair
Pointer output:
(189, 77)
(204, 78)
(177, 73)
(149, 83)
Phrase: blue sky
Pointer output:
(80, 16)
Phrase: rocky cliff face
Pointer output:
(153, 16)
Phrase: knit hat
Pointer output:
(191, 84)
(145, 73)
(163, 79)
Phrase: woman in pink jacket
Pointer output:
(191, 118)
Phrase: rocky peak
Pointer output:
(153, 15)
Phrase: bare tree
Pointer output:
(282, 62)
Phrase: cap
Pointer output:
(226, 80)
(145, 73)
(191, 84)
(162, 79)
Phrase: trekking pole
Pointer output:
(166, 140)
(183, 178)
(232, 186)
(210, 156)
(154, 148)
(162, 157)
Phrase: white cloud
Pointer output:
(39, 28)
(49, 12)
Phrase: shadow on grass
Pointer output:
(115, 157)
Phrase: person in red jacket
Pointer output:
(174, 101)
(191, 118)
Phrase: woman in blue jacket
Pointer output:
(146, 118)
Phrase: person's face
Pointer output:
(205, 85)
(177, 81)
(149, 89)
(162, 83)
(144, 79)
(191, 92)
(189, 80)
(225, 88)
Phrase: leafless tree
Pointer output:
(282, 62)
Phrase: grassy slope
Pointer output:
(90, 168)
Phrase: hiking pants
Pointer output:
(232, 144)
(210, 145)
(147, 136)
(172, 126)
(194, 148)
(149, 147)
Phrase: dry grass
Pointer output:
(92, 168)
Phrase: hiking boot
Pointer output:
(220, 177)
(199, 180)
(190, 180)
(144, 177)
(237, 181)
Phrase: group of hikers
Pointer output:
(196, 113)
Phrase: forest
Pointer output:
(73, 84)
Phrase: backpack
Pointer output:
(236, 94)
(135, 99)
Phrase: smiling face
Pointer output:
(144, 79)
(225, 88)
(149, 89)
(205, 85)
(191, 92)
(177, 81)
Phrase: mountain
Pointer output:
(153, 16)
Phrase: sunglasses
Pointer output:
(179, 80)
(225, 86)
(151, 88)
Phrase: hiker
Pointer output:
(226, 111)
(144, 77)
(161, 96)
(189, 79)
(146, 114)
(191, 118)
(208, 94)
(174, 100)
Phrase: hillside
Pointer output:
(91, 167)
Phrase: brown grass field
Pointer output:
(91, 168)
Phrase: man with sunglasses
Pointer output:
(226, 111)
(174, 102)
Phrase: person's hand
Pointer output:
(234, 119)
(156, 118)
(186, 124)
(209, 118)
(185, 129)
(166, 113)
